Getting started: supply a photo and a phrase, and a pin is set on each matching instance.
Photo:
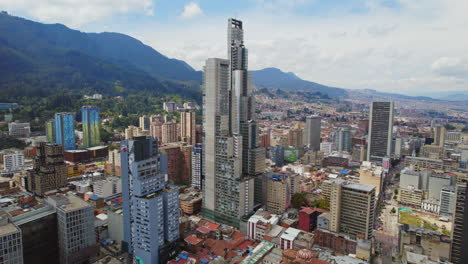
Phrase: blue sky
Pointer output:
(404, 46)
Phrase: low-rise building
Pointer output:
(19, 129)
(338, 242)
(410, 196)
(107, 187)
(13, 161)
(260, 224)
(308, 218)
(426, 242)
(190, 201)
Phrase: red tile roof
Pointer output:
(244, 244)
(203, 229)
(193, 240)
(211, 226)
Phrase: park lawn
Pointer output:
(408, 218)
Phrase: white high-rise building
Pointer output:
(232, 157)
(13, 162)
(197, 172)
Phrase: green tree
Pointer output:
(298, 200)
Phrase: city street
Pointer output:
(386, 239)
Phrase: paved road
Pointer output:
(387, 239)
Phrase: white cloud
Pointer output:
(191, 10)
(77, 12)
(417, 47)
(387, 49)
(451, 66)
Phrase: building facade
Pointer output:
(150, 205)
(197, 168)
(352, 207)
(187, 127)
(278, 193)
(312, 132)
(49, 169)
(380, 130)
(459, 248)
(75, 223)
(50, 131)
(343, 139)
(10, 241)
(232, 156)
(91, 125)
(65, 130)
(19, 129)
(13, 162)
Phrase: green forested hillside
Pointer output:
(48, 68)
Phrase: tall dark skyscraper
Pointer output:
(380, 130)
(312, 132)
(459, 249)
(232, 156)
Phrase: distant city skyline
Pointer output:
(391, 46)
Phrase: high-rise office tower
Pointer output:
(197, 170)
(50, 131)
(187, 127)
(312, 132)
(151, 206)
(65, 130)
(459, 248)
(380, 131)
(49, 170)
(343, 139)
(439, 135)
(76, 235)
(232, 156)
(352, 208)
(90, 121)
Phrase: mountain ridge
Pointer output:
(66, 58)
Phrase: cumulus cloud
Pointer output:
(451, 66)
(191, 10)
(77, 12)
(387, 49)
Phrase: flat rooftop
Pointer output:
(74, 202)
(355, 186)
(8, 229)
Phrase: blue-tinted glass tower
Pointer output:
(151, 206)
(90, 121)
(65, 130)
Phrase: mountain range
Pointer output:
(275, 78)
(42, 59)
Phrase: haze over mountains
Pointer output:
(41, 59)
